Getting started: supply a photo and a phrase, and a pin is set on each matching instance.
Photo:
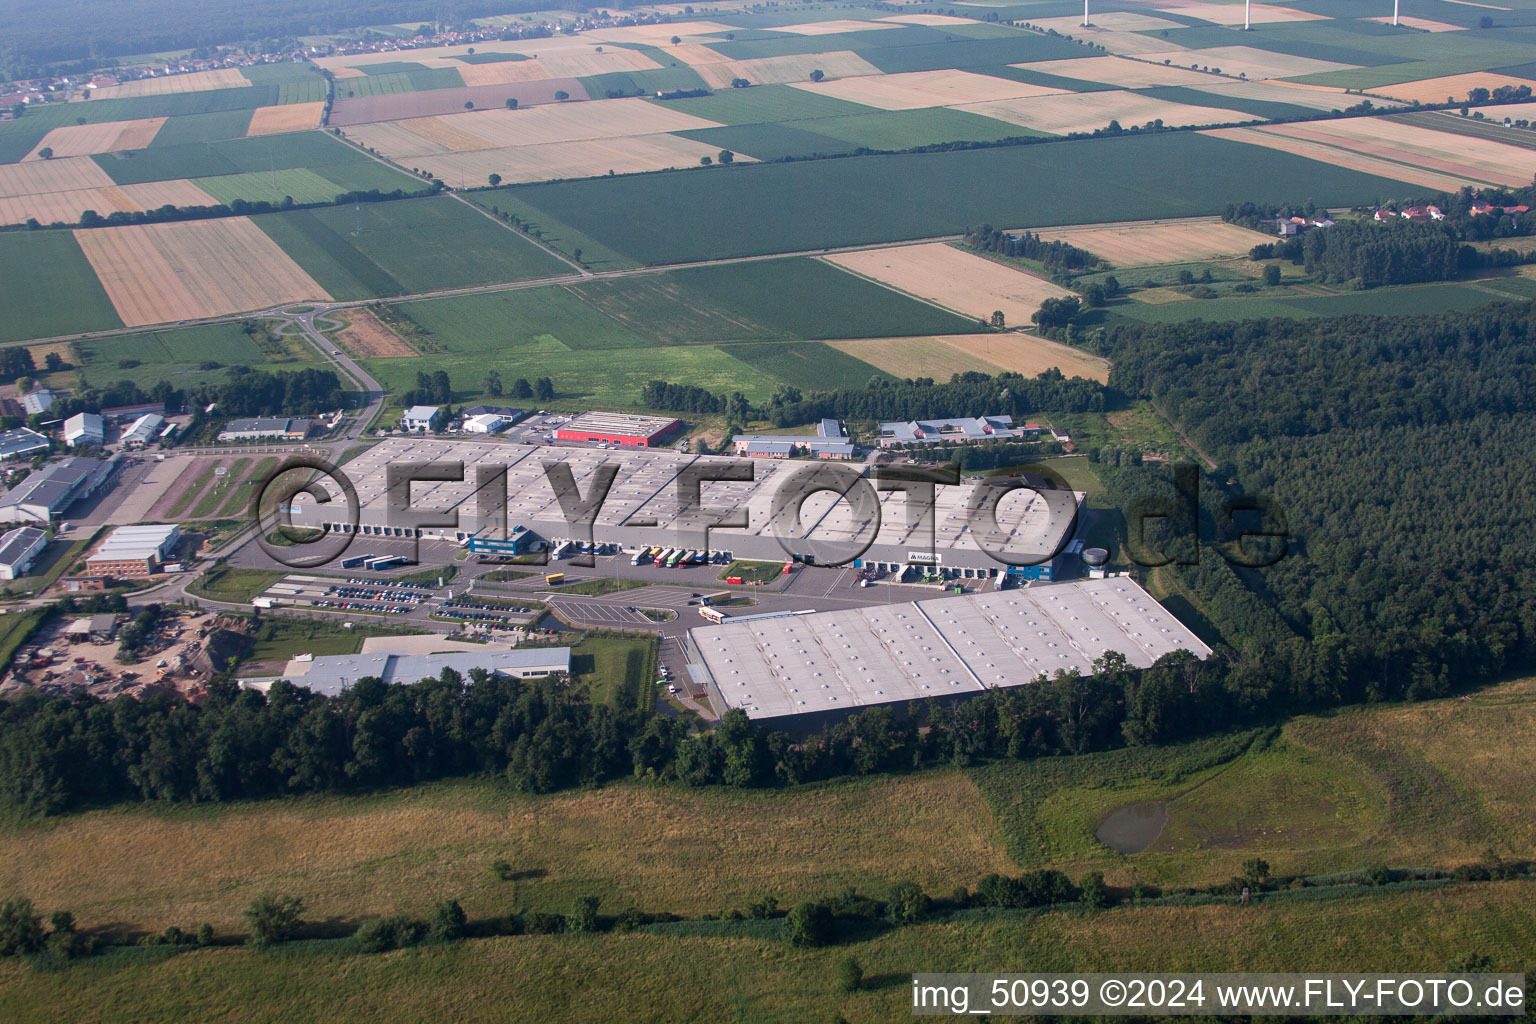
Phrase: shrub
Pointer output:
(850, 975)
(21, 927)
(385, 933)
(273, 920)
(448, 921)
(810, 924)
(908, 904)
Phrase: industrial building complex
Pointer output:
(332, 674)
(134, 550)
(775, 666)
(617, 428)
(43, 496)
(974, 529)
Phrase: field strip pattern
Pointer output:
(285, 117)
(156, 273)
(913, 90)
(35, 176)
(832, 27)
(66, 207)
(585, 158)
(1113, 21)
(939, 356)
(166, 85)
(1346, 158)
(103, 137)
(1232, 14)
(1251, 61)
(1121, 71)
(786, 70)
(1089, 111)
(1453, 87)
(966, 283)
(1137, 245)
(503, 129)
(1477, 159)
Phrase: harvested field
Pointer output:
(156, 273)
(1128, 74)
(1133, 43)
(827, 28)
(1346, 158)
(934, 20)
(368, 337)
(285, 117)
(431, 102)
(1029, 355)
(1113, 21)
(66, 207)
(916, 89)
(581, 159)
(36, 176)
(504, 72)
(580, 65)
(1232, 14)
(783, 70)
(105, 137)
(661, 35)
(1452, 87)
(1141, 245)
(196, 81)
(40, 353)
(958, 280)
(1316, 97)
(1250, 61)
(1066, 113)
(1461, 155)
(923, 356)
(1420, 23)
(694, 54)
(498, 129)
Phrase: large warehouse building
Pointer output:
(45, 495)
(831, 663)
(333, 674)
(134, 550)
(1027, 531)
(622, 429)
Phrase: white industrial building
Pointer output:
(43, 496)
(777, 666)
(134, 550)
(266, 428)
(332, 674)
(40, 401)
(21, 442)
(145, 430)
(85, 429)
(484, 423)
(19, 550)
(421, 419)
(1029, 529)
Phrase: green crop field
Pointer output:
(642, 83)
(878, 130)
(807, 364)
(764, 104)
(1262, 109)
(190, 129)
(232, 156)
(381, 249)
(1388, 301)
(665, 218)
(541, 332)
(47, 287)
(550, 231)
(178, 355)
(299, 183)
(383, 84)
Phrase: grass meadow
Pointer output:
(377, 250)
(178, 355)
(47, 287)
(231, 156)
(743, 210)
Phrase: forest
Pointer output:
(244, 392)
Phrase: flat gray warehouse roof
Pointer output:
(843, 660)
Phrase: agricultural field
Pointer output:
(179, 355)
(156, 273)
(1389, 301)
(102, 137)
(47, 288)
(377, 250)
(1135, 245)
(942, 356)
(68, 206)
(955, 279)
(738, 211)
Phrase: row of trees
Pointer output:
(244, 392)
(1060, 259)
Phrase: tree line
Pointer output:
(1060, 259)
(244, 392)
(237, 208)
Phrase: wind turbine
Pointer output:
(1394, 13)
(1086, 22)
(1247, 11)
